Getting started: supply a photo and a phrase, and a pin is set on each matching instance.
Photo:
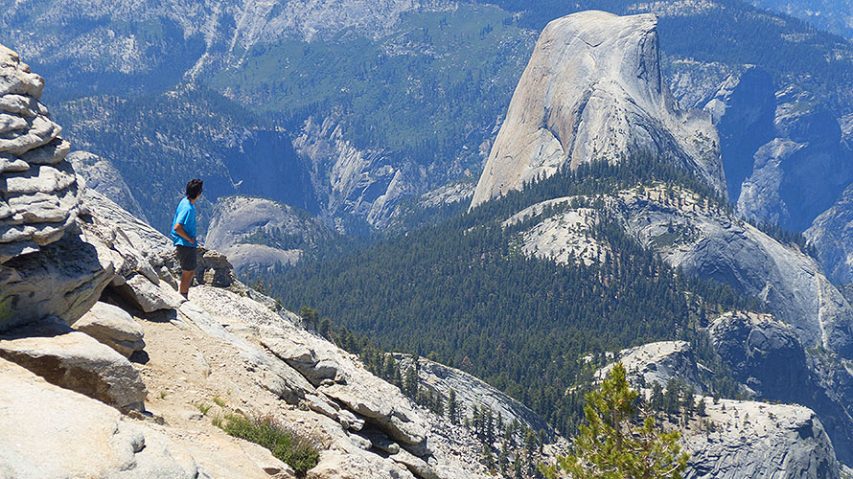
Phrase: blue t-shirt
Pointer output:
(185, 216)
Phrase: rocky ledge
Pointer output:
(733, 438)
(107, 372)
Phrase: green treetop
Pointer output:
(618, 440)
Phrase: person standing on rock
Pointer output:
(183, 235)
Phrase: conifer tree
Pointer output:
(656, 400)
(410, 383)
(438, 404)
(614, 444)
(452, 407)
(310, 316)
(488, 459)
(325, 328)
(700, 407)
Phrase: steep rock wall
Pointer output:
(593, 90)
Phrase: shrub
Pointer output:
(298, 452)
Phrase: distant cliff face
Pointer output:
(102, 176)
(832, 237)
(226, 89)
(191, 84)
(472, 393)
(257, 233)
(593, 91)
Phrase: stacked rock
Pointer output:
(38, 188)
(46, 267)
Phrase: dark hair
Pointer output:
(194, 188)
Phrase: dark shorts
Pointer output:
(187, 257)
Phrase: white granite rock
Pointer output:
(75, 361)
(40, 201)
(593, 90)
(661, 362)
(472, 392)
(735, 439)
(759, 440)
(831, 235)
(236, 219)
(53, 433)
(46, 268)
(114, 327)
(150, 297)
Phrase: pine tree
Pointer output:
(397, 379)
(489, 425)
(689, 400)
(452, 407)
(672, 398)
(488, 459)
(700, 407)
(656, 400)
(389, 368)
(309, 316)
(612, 444)
(438, 404)
(410, 383)
(503, 459)
(325, 327)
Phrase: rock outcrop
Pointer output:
(662, 362)
(831, 236)
(46, 266)
(76, 361)
(767, 356)
(565, 238)
(39, 188)
(102, 176)
(114, 327)
(752, 439)
(472, 393)
(593, 90)
(256, 233)
(53, 433)
(734, 439)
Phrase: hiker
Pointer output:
(183, 235)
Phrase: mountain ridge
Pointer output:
(422, 43)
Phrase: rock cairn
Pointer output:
(43, 271)
(38, 189)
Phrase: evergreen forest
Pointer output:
(460, 292)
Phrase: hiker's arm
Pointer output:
(179, 229)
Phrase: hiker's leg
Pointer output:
(186, 281)
(188, 258)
